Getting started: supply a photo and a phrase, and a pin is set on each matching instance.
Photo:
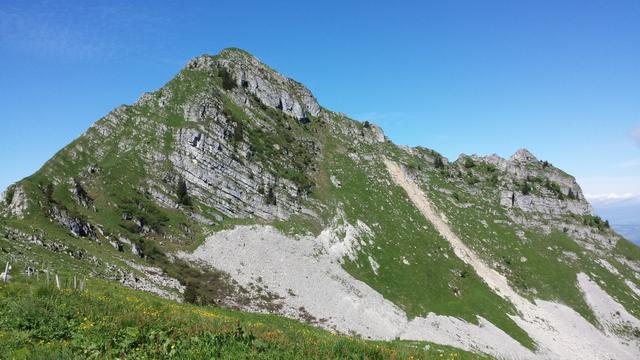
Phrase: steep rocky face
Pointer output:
(536, 186)
(226, 147)
(215, 186)
(243, 139)
(14, 200)
(271, 88)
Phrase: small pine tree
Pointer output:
(237, 133)
(439, 164)
(571, 194)
(183, 193)
(49, 192)
(11, 191)
(493, 179)
(190, 293)
(526, 188)
(228, 83)
(271, 197)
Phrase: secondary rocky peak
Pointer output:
(534, 185)
(523, 155)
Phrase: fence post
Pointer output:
(6, 272)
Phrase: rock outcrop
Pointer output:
(18, 202)
(543, 205)
(205, 159)
(271, 88)
(549, 191)
(75, 225)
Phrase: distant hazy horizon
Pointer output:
(624, 217)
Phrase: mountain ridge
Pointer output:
(229, 146)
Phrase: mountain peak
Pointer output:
(241, 70)
(235, 51)
(240, 56)
(523, 155)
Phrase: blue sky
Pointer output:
(561, 78)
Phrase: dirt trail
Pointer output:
(559, 331)
(494, 279)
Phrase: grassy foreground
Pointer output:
(106, 321)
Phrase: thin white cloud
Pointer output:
(608, 189)
(628, 164)
(71, 31)
(609, 198)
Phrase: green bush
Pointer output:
(595, 221)
(11, 191)
(469, 163)
(413, 165)
(554, 187)
(471, 179)
(493, 180)
(524, 187)
(145, 211)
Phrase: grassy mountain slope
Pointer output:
(229, 141)
(111, 321)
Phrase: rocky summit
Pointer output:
(232, 189)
